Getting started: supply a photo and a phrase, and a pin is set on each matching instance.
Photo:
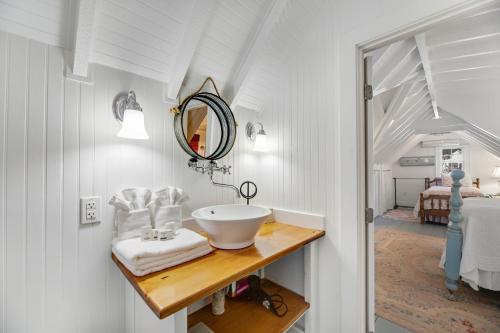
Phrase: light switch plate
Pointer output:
(90, 210)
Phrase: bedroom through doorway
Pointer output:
(434, 109)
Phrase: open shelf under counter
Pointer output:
(244, 316)
(173, 289)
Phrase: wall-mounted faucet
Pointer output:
(210, 168)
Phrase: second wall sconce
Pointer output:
(259, 138)
(129, 113)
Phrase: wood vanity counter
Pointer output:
(172, 289)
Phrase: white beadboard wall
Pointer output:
(298, 172)
(57, 144)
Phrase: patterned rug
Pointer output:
(410, 288)
(401, 214)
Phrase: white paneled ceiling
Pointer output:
(130, 35)
(47, 21)
(240, 43)
(449, 72)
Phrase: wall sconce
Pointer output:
(258, 138)
(129, 113)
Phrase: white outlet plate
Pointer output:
(90, 210)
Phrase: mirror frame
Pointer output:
(226, 121)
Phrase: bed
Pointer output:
(472, 250)
(480, 263)
(433, 203)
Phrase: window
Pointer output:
(451, 158)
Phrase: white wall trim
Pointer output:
(299, 219)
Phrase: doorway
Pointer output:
(408, 103)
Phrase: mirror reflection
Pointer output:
(201, 127)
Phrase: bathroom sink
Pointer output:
(231, 226)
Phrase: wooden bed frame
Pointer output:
(436, 200)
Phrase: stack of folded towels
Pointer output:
(144, 257)
(148, 236)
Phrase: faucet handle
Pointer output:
(226, 169)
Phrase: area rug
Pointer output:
(410, 288)
(401, 214)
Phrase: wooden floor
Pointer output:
(429, 229)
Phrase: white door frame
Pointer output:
(353, 47)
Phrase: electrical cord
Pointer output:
(274, 303)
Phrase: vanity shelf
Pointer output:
(239, 313)
(173, 289)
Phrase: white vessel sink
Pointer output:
(231, 226)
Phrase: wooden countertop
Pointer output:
(172, 289)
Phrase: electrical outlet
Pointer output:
(90, 210)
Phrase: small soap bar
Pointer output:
(146, 233)
(166, 234)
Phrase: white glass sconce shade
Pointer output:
(260, 142)
(259, 138)
(496, 173)
(133, 125)
(129, 113)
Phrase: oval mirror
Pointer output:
(205, 126)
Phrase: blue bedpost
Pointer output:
(454, 236)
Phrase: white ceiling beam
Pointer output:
(407, 122)
(442, 125)
(426, 64)
(256, 47)
(481, 73)
(464, 50)
(465, 30)
(394, 106)
(392, 141)
(413, 105)
(394, 155)
(392, 59)
(194, 28)
(471, 137)
(417, 88)
(404, 71)
(401, 127)
(417, 76)
(86, 11)
(465, 64)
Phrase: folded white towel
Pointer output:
(129, 223)
(132, 250)
(156, 259)
(163, 263)
(147, 263)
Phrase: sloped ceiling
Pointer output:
(239, 43)
(451, 72)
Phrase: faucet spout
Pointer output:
(225, 185)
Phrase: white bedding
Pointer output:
(480, 264)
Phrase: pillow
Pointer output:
(467, 180)
(446, 180)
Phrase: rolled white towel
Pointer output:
(132, 250)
